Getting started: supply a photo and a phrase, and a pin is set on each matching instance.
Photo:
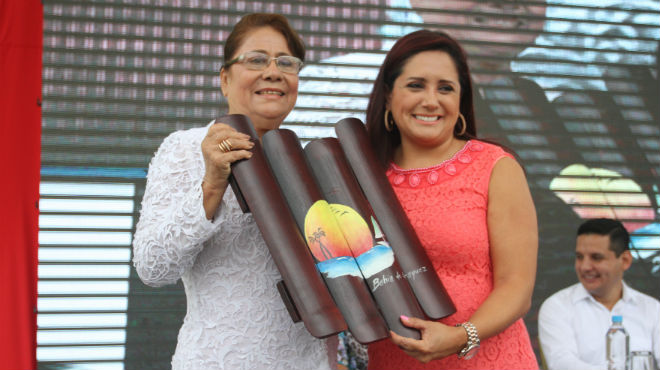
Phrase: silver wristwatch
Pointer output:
(472, 346)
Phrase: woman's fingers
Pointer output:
(223, 138)
(412, 347)
(413, 322)
(402, 342)
(232, 143)
(438, 340)
(221, 147)
(219, 161)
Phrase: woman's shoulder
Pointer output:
(489, 152)
(487, 146)
(181, 146)
(185, 138)
(194, 133)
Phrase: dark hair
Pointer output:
(384, 142)
(619, 237)
(253, 21)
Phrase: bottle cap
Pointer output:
(617, 319)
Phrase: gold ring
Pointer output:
(225, 146)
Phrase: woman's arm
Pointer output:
(513, 235)
(182, 197)
(173, 223)
(217, 163)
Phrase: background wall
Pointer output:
(571, 86)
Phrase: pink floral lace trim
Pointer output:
(432, 174)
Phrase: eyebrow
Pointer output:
(592, 255)
(265, 52)
(413, 78)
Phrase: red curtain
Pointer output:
(20, 136)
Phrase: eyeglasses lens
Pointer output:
(260, 61)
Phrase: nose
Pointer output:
(430, 101)
(585, 264)
(272, 72)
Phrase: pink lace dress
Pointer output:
(447, 205)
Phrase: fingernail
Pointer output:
(404, 317)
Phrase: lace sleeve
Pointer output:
(172, 225)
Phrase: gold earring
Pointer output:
(460, 115)
(389, 126)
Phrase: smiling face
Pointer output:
(265, 96)
(425, 100)
(599, 269)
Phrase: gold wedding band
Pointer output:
(225, 146)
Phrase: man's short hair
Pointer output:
(619, 237)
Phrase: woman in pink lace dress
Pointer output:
(469, 203)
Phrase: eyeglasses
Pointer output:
(258, 61)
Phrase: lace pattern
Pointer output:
(447, 205)
(235, 317)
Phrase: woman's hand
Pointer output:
(217, 162)
(438, 340)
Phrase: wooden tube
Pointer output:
(380, 269)
(408, 250)
(315, 219)
(256, 187)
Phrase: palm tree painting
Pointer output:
(316, 237)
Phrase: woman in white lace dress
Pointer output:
(191, 226)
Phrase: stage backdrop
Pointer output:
(570, 85)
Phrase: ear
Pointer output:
(626, 259)
(224, 81)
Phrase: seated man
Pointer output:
(573, 322)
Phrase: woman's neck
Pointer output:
(408, 156)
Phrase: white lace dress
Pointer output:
(235, 317)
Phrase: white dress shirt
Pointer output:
(573, 325)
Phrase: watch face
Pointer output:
(471, 352)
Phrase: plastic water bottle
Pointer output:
(618, 346)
